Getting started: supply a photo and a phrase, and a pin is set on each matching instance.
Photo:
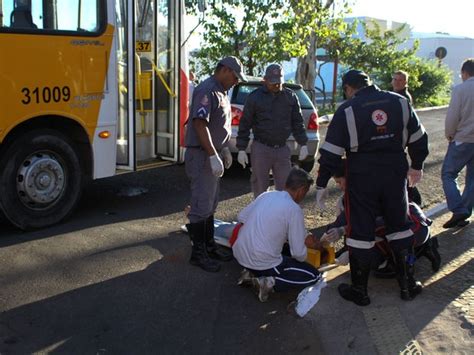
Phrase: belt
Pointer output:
(200, 148)
(271, 145)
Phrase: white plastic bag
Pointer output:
(308, 297)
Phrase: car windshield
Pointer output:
(242, 91)
(305, 102)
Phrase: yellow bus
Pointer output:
(88, 88)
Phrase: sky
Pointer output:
(455, 17)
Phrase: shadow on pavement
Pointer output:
(169, 307)
(342, 326)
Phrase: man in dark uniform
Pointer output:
(272, 112)
(400, 84)
(207, 136)
(372, 129)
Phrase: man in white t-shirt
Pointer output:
(268, 222)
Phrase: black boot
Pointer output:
(213, 250)
(431, 252)
(405, 263)
(199, 256)
(357, 292)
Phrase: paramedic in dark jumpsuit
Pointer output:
(207, 135)
(372, 129)
(273, 113)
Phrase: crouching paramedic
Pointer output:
(268, 222)
(424, 244)
(373, 128)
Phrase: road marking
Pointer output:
(389, 331)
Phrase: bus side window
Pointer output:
(21, 18)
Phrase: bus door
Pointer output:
(148, 71)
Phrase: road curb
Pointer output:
(436, 210)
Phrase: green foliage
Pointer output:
(324, 28)
(433, 81)
(249, 38)
(380, 57)
(268, 31)
(378, 54)
(260, 32)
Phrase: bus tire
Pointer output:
(40, 179)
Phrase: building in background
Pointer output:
(455, 49)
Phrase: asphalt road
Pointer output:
(114, 277)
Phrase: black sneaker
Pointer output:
(455, 219)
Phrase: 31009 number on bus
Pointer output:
(45, 95)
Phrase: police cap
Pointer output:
(274, 74)
(355, 78)
(234, 63)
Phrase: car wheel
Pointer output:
(41, 179)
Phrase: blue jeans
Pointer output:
(457, 157)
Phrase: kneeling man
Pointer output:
(267, 223)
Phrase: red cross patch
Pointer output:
(379, 117)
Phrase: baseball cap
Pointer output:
(274, 74)
(355, 78)
(234, 63)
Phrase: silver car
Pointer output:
(238, 94)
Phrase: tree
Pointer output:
(379, 55)
(433, 82)
(378, 52)
(254, 38)
(324, 27)
(268, 31)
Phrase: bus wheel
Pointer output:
(40, 180)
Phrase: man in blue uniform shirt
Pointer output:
(207, 135)
(372, 129)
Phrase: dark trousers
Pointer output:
(291, 274)
(264, 159)
(204, 185)
(379, 192)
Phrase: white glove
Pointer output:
(227, 157)
(414, 176)
(343, 259)
(303, 153)
(333, 235)
(216, 165)
(242, 158)
(321, 194)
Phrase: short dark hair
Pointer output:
(468, 66)
(298, 178)
(356, 79)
